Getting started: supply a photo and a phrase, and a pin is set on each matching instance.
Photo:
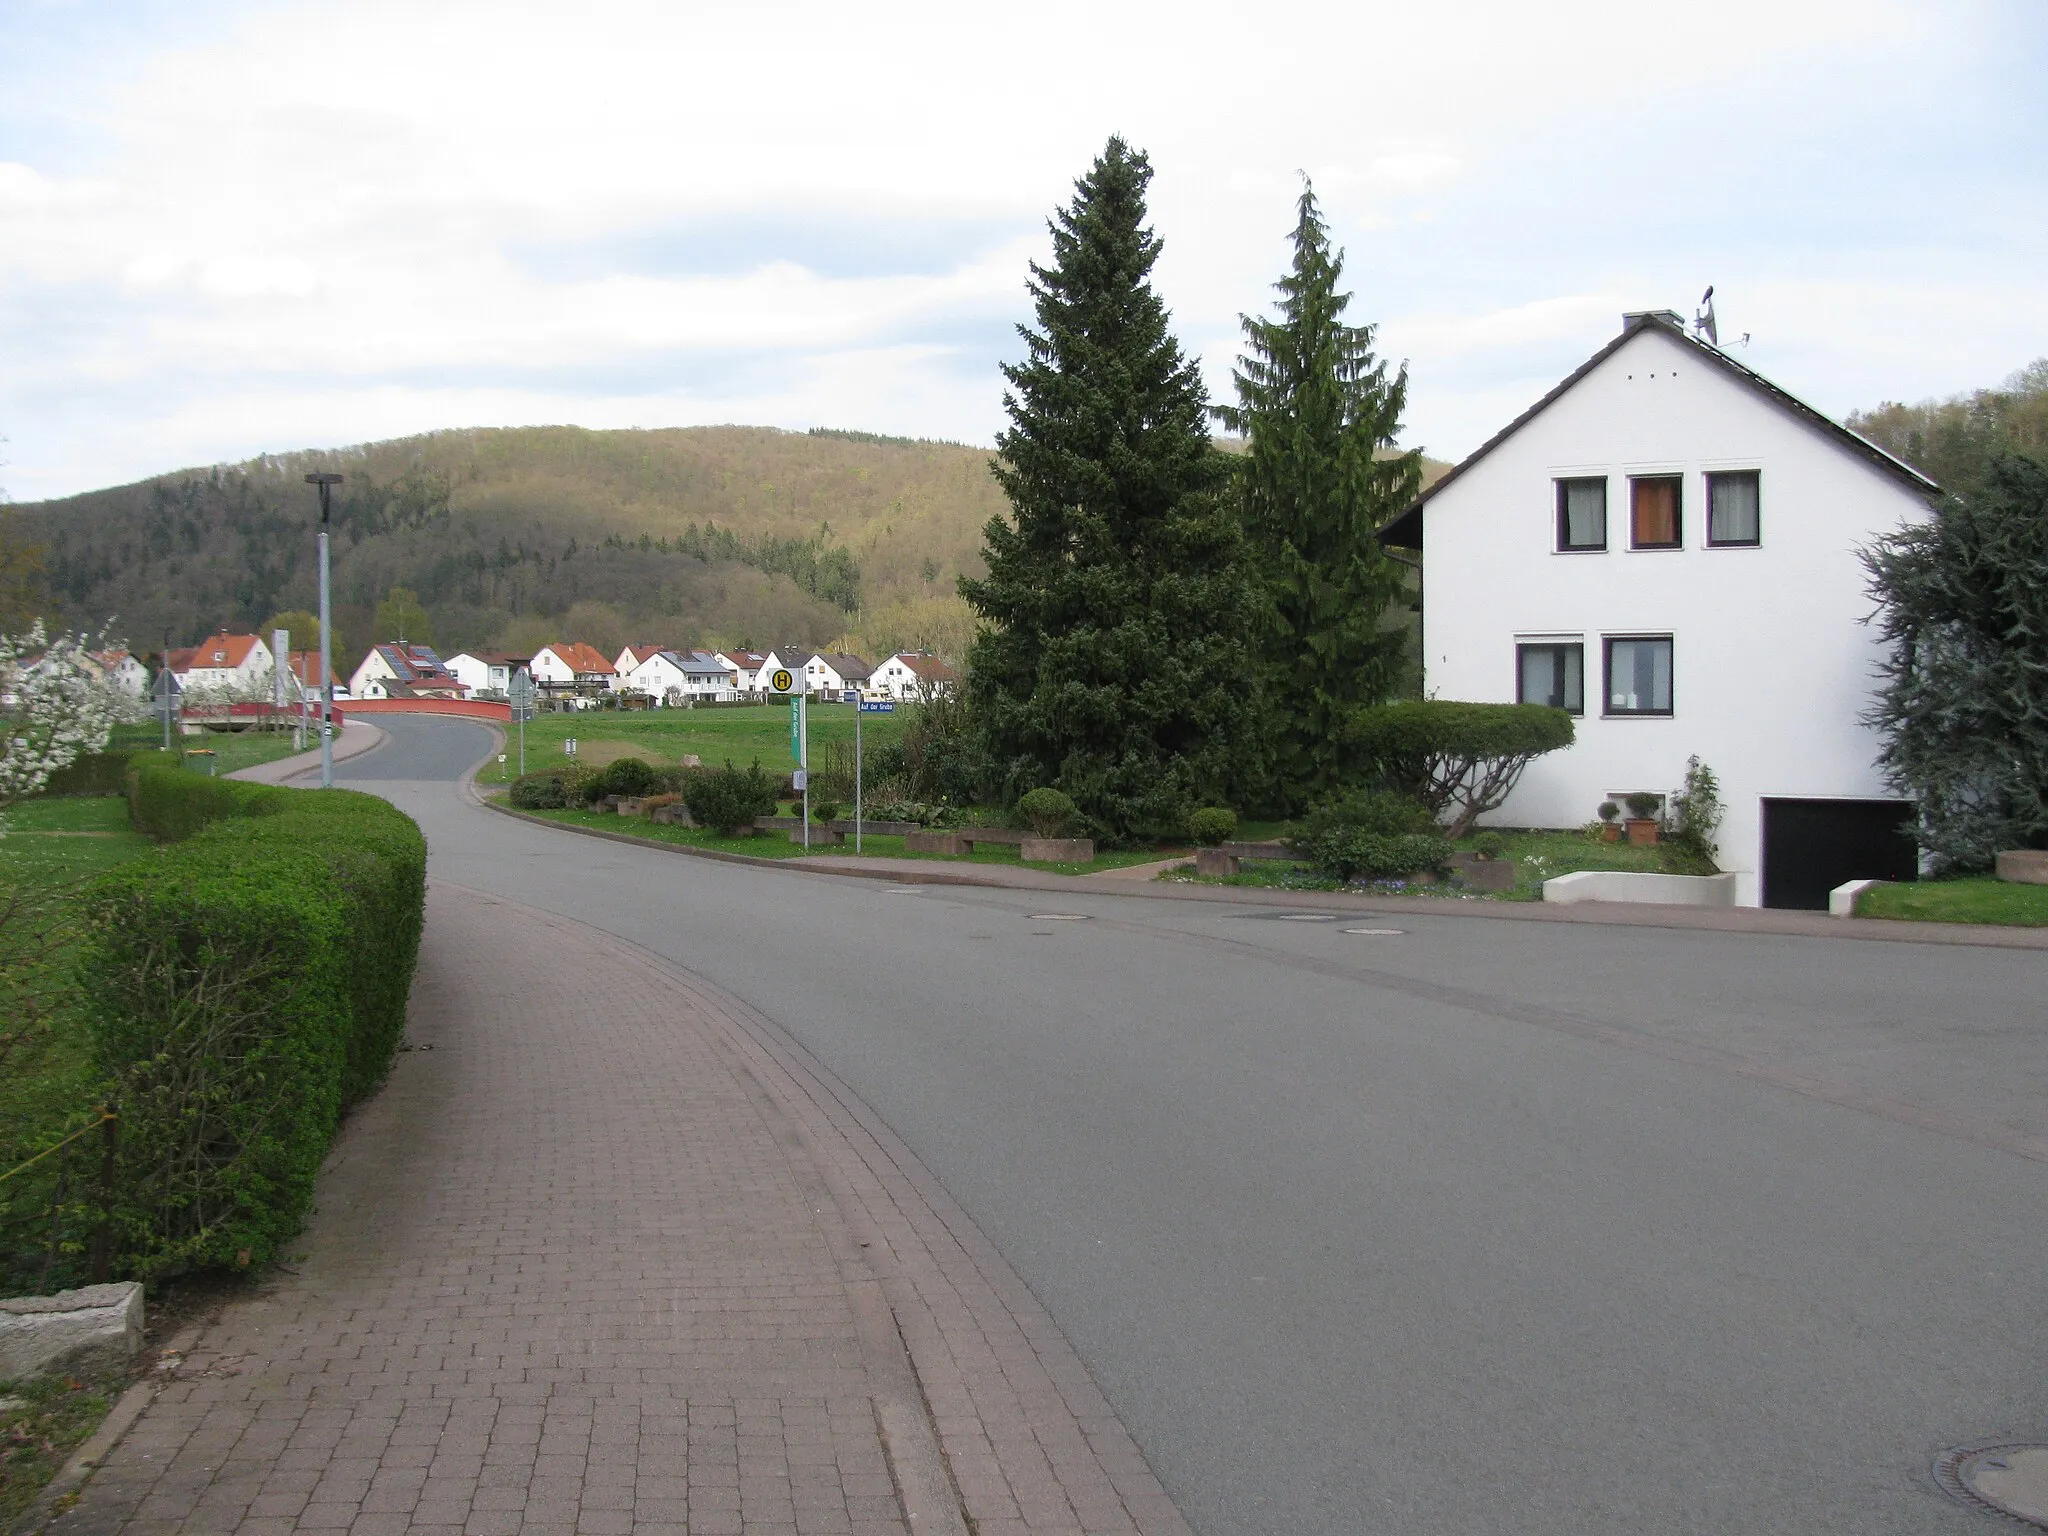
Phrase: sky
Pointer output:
(229, 229)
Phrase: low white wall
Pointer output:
(1656, 890)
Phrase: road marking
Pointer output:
(1059, 917)
(1306, 917)
(1376, 930)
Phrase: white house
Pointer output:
(913, 675)
(745, 667)
(786, 658)
(831, 671)
(398, 669)
(571, 667)
(1666, 545)
(677, 677)
(485, 671)
(224, 663)
(121, 669)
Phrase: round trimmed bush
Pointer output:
(1047, 812)
(1212, 824)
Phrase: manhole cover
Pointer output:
(2008, 1480)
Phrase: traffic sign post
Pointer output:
(800, 749)
(520, 692)
(164, 702)
(863, 707)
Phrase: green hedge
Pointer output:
(91, 773)
(243, 986)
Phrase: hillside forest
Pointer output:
(515, 537)
(691, 536)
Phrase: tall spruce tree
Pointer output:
(1115, 655)
(1319, 415)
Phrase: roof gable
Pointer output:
(1405, 530)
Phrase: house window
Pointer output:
(1655, 506)
(1582, 514)
(1639, 675)
(1553, 675)
(1735, 508)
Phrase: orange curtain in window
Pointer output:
(1655, 511)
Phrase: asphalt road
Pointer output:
(1473, 1226)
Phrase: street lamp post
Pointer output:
(326, 641)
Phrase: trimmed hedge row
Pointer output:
(243, 987)
(90, 773)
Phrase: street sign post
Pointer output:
(800, 749)
(520, 692)
(862, 707)
(781, 680)
(164, 701)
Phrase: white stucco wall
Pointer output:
(1771, 663)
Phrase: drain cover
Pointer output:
(2005, 1479)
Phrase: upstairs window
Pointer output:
(1553, 674)
(1639, 675)
(1656, 512)
(1735, 508)
(1582, 514)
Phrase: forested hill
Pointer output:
(518, 535)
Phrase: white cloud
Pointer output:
(312, 222)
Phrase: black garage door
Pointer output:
(1812, 846)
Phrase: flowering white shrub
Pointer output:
(56, 702)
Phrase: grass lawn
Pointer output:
(1979, 899)
(231, 749)
(1539, 855)
(56, 1414)
(742, 732)
(776, 845)
(53, 842)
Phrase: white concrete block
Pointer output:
(1842, 899)
(92, 1328)
(1655, 890)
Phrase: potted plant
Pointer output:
(1642, 819)
(1610, 815)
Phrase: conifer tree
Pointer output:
(1114, 658)
(1319, 412)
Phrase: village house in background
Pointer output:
(832, 672)
(486, 674)
(745, 667)
(1665, 546)
(121, 668)
(225, 664)
(682, 677)
(569, 669)
(397, 669)
(914, 675)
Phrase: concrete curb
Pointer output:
(357, 737)
(84, 1461)
(1756, 921)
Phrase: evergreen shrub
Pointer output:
(1047, 812)
(1212, 824)
(1371, 835)
(627, 776)
(1458, 760)
(727, 799)
(538, 792)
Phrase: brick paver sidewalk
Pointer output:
(609, 1253)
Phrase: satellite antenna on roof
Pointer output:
(1703, 322)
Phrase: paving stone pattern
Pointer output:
(610, 1253)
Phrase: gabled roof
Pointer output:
(414, 664)
(751, 660)
(233, 651)
(578, 657)
(492, 658)
(1405, 531)
(925, 665)
(848, 667)
(306, 666)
